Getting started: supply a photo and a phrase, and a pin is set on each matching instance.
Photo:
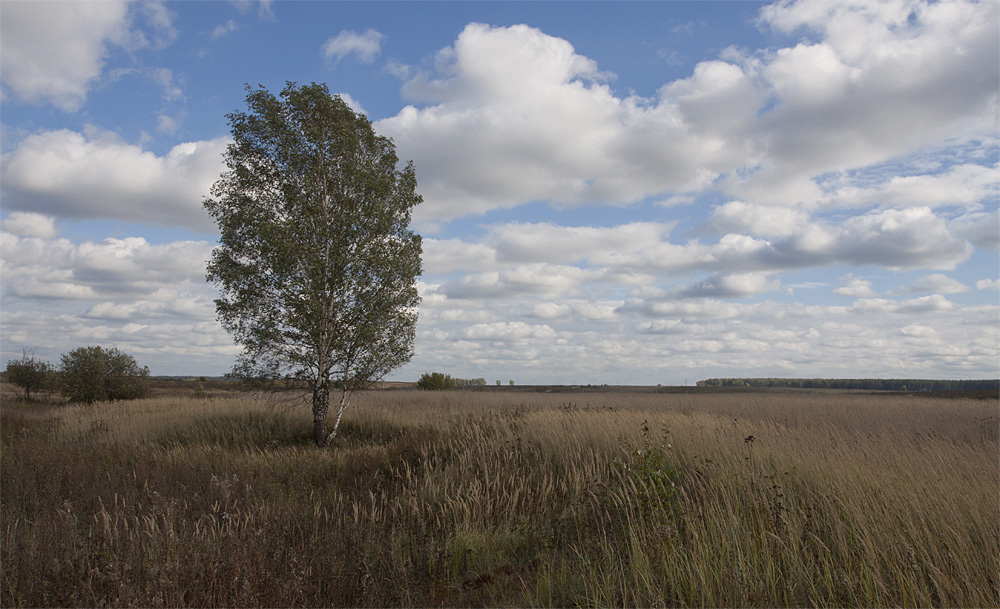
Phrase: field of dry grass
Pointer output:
(473, 499)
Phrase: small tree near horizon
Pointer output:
(435, 381)
(316, 263)
(94, 374)
(29, 373)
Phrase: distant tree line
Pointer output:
(865, 384)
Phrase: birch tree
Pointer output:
(316, 264)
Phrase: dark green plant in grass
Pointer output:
(435, 381)
(647, 466)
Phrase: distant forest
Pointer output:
(869, 384)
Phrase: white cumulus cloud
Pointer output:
(511, 331)
(55, 53)
(856, 288)
(742, 217)
(366, 45)
(939, 283)
(96, 175)
(511, 115)
(735, 285)
(518, 116)
(27, 224)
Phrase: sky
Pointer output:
(624, 193)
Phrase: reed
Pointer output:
(474, 499)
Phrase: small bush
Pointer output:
(435, 381)
(92, 374)
(649, 468)
(29, 374)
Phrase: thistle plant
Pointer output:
(647, 467)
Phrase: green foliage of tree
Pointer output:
(93, 374)
(316, 264)
(29, 373)
(435, 381)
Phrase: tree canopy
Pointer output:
(316, 263)
(28, 373)
(93, 374)
(435, 381)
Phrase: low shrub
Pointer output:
(435, 381)
(93, 374)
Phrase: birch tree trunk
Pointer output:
(345, 401)
(321, 405)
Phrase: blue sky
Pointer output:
(621, 192)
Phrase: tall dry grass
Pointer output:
(460, 499)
